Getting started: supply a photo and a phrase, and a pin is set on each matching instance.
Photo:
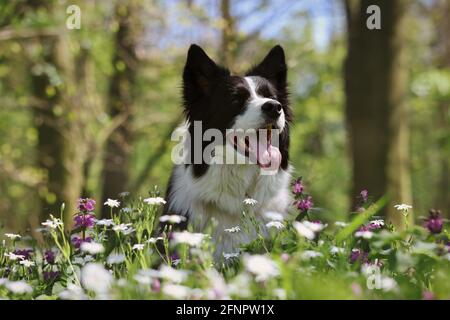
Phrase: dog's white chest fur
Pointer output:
(219, 194)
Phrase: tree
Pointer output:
(58, 122)
(125, 62)
(376, 115)
(228, 40)
(441, 10)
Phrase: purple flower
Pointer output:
(298, 187)
(305, 204)
(175, 256)
(77, 241)
(51, 275)
(364, 195)
(156, 285)
(285, 257)
(434, 223)
(372, 225)
(356, 289)
(49, 256)
(26, 253)
(86, 205)
(358, 255)
(84, 221)
(428, 295)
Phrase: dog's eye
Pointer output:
(265, 92)
(241, 94)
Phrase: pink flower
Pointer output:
(86, 205)
(298, 187)
(77, 241)
(364, 195)
(305, 204)
(434, 223)
(84, 221)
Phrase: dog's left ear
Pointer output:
(273, 67)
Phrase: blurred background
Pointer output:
(89, 111)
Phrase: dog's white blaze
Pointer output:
(253, 117)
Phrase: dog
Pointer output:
(203, 192)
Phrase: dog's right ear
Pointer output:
(200, 70)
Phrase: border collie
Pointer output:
(203, 191)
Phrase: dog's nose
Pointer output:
(272, 109)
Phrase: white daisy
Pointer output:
(138, 246)
(250, 201)
(127, 210)
(304, 231)
(13, 236)
(52, 223)
(12, 256)
(364, 234)
(112, 203)
(73, 292)
(273, 216)
(27, 263)
(125, 228)
(341, 224)
(175, 219)
(280, 293)
(377, 222)
(315, 226)
(230, 255)
(233, 229)
(275, 224)
(18, 287)
(176, 291)
(115, 258)
(171, 274)
(192, 239)
(92, 247)
(403, 207)
(154, 240)
(176, 262)
(155, 201)
(96, 278)
(308, 229)
(388, 284)
(261, 266)
(105, 222)
(336, 250)
(309, 254)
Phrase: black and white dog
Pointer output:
(215, 99)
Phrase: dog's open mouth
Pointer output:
(258, 148)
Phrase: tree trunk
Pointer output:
(375, 86)
(228, 40)
(442, 22)
(117, 156)
(60, 153)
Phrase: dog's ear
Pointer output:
(273, 68)
(200, 70)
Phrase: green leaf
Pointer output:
(360, 219)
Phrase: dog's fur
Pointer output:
(203, 192)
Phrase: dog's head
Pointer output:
(258, 100)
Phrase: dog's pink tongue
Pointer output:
(267, 155)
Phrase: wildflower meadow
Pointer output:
(127, 257)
